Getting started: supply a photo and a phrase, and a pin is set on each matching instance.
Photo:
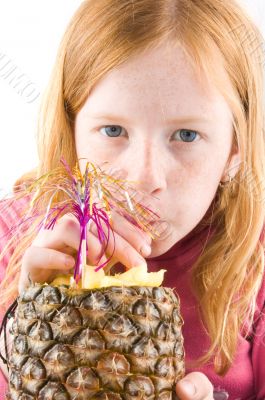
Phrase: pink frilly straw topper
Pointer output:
(90, 198)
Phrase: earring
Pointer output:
(226, 183)
(230, 184)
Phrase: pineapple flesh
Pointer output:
(91, 279)
(111, 343)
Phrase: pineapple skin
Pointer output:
(110, 343)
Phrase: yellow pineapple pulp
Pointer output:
(91, 279)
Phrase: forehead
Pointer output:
(159, 77)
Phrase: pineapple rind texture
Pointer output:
(108, 343)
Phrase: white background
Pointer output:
(30, 32)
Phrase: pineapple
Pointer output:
(109, 342)
(96, 336)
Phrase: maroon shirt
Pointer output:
(246, 377)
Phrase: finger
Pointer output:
(41, 265)
(65, 235)
(121, 250)
(109, 264)
(127, 230)
(138, 239)
(195, 386)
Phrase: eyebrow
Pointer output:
(184, 118)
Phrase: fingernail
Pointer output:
(145, 250)
(188, 387)
(69, 261)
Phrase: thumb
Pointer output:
(186, 389)
(194, 386)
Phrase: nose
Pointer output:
(146, 165)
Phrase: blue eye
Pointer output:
(112, 130)
(187, 135)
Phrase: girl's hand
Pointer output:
(52, 252)
(195, 386)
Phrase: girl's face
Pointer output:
(151, 119)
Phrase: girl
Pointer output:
(171, 93)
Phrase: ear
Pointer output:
(232, 165)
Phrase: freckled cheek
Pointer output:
(191, 193)
(197, 175)
(91, 151)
